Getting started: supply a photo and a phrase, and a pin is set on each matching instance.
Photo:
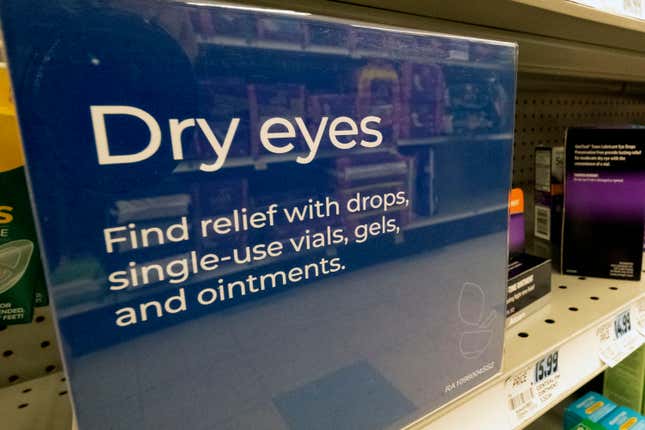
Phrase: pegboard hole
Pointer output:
(44, 344)
(62, 393)
(523, 334)
(40, 318)
(13, 378)
(50, 368)
(573, 309)
(23, 405)
(26, 390)
(594, 298)
(562, 287)
(549, 321)
(7, 353)
(63, 379)
(582, 278)
(613, 288)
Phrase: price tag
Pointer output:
(622, 324)
(640, 316)
(533, 387)
(618, 338)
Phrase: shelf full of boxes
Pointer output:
(585, 68)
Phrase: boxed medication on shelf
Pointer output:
(423, 90)
(516, 228)
(623, 418)
(291, 261)
(603, 202)
(549, 183)
(587, 425)
(22, 282)
(529, 285)
(592, 407)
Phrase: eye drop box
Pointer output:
(287, 279)
(603, 202)
(549, 175)
(516, 227)
(592, 407)
(623, 418)
(529, 286)
(625, 382)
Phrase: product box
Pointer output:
(425, 198)
(218, 101)
(276, 100)
(303, 286)
(625, 382)
(603, 202)
(516, 227)
(623, 418)
(22, 282)
(424, 89)
(529, 285)
(592, 407)
(374, 174)
(587, 425)
(378, 93)
(549, 183)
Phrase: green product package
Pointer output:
(625, 383)
(22, 280)
(20, 266)
(587, 425)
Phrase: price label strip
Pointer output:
(618, 338)
(533, 387)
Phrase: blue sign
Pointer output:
(258, 218)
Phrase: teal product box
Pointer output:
(623, 418)
(592, 406)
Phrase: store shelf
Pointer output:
(567, 20)
(29, 351)
(390, 54)
(577, 41)
(39, 404)
(261, 162)
(574, 334)
(581, 11)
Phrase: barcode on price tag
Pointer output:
(519, 401)
(533, 387)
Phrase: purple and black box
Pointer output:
(604, 202)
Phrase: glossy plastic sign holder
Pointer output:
(259, 218)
